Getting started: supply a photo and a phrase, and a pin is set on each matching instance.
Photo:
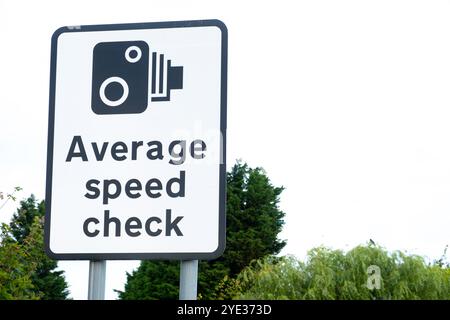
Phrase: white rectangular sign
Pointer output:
(136, 141)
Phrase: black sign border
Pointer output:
(223, 124)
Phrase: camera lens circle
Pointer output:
(114, 103)
(133, 49)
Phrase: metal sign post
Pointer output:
(97, 277)
(188, 279)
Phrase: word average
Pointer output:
(134, 150)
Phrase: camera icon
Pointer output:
(120, 77)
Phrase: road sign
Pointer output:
(136, 141)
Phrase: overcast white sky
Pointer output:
(345, 103)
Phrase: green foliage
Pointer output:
(142, 281)
(253, 223)
(335, 275)
(26, 230)
(23, 218)
(9, 196)
(16, 269)
(253, 217)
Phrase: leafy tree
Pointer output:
(253, 217)
(23, 218)
(15, 272)
(9, 196)
(253, 224)
(28, 219)
(143, 281)
(15, 269)
(335, 275)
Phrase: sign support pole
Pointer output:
(97, 277)
(188, 279)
